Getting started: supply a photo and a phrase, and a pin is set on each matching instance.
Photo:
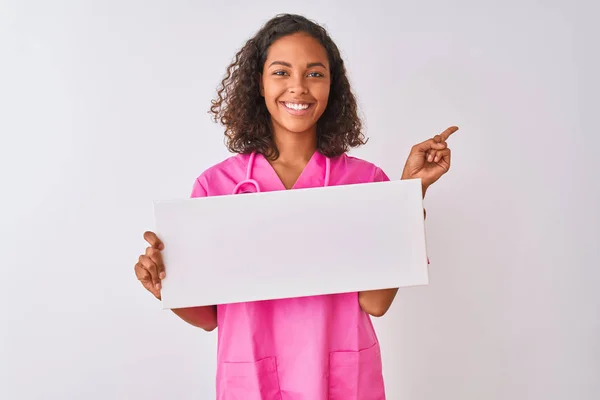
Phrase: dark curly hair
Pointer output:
(240, 107)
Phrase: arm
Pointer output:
(200, 317)
(428, 161)
(376, 302)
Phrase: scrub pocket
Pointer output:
(249, 380)
(356, 375)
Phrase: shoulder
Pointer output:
(230, 165)
(359, 169)
(355, 162)
(213, 180)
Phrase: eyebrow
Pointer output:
(309, 65)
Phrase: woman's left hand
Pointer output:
(429, 160)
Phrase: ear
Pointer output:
(260, 83)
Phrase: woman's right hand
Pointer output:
(150, 269)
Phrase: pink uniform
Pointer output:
(310, 348)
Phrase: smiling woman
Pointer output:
(289, 113)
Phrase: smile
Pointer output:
(297, 108)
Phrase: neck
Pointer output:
(295, 147)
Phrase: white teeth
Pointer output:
(296, 107)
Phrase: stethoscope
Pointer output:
(253, 182)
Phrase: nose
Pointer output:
(298, 85)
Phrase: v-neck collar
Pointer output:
(313, 174)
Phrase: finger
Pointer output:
(146, 280)
(152, 269)
(153, 240)
(156, 256)
(437, 146)
(443, 155)
(427, 145)
(141, 274)
(432, 155)
(152, 289)
(446, 134)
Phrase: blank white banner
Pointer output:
(292, 243)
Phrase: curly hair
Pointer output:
(240, 108)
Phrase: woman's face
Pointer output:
(295, 83)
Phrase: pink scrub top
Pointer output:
(310, 348)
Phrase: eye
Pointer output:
(315, 75)
(280, 73)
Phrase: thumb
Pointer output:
(153, 240)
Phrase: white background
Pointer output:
(103, 109)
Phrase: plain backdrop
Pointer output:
(103, 109)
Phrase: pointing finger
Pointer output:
(446, 134)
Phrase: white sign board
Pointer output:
(292, 243)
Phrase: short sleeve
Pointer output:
(380, 176)
(198, 190)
